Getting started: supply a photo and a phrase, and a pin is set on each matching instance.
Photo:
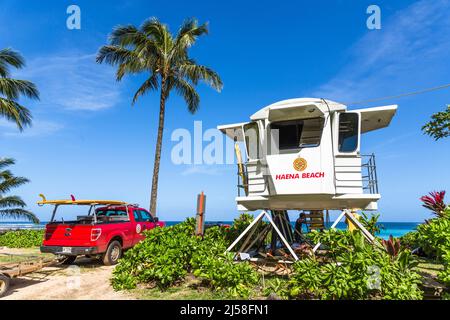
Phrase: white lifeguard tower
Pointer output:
(304, 154)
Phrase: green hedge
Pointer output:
(22, 238)
(354, 269)
(168, 255)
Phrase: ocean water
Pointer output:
(396, 229)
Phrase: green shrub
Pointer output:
(434, 237)
(239, 225)
(223, 273)
(444, 275)
(277, 286)
(168, 255)
(371, 223)
(354, 269)
(410, 240)
(162, 257)
(22, 238)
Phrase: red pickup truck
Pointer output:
(108, 228)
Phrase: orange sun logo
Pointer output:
(300, 164)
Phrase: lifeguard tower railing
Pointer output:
(368, 176)
(242, 185)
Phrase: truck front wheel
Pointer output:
(113, 253)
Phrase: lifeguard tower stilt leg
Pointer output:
(348, 214)
(275, 228)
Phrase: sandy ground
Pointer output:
(87, 279)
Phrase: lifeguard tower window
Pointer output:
(252, 140)
(348, 132)
(295, 134)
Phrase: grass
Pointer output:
(21, 255)
(429, 267)
(188, 290)
(192, 289)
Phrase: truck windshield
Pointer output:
(111, 215)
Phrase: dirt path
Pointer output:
(85, 280)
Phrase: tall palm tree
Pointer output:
(164, 58)
(12, 89)
(12, 206)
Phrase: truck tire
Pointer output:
(4, 284)
(113, 253)
(68, 260)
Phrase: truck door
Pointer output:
(124, 224)
(138, 226)
(147, 220)
(144, 221)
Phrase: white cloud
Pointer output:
(39, 128)
(7, 124)
(394, 140)
(72, 82)
(410, 52)
(211, 170)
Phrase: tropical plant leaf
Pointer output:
(9, 57)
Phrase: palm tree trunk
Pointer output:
(154, 193)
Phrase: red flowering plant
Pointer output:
(392, 246)
(435, 202)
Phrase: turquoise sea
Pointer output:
(397, 229)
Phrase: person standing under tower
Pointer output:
(298, 229)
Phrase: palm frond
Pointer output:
(187, 91)
(10, 182)
(6, 162)
(149, 84)
(154, 29)
(189, 32)
(186, 37)
(196, 73)
(135, 58)
(9, 58)
(114, 55)
(15, 112)
(13, 88)
(129, 37)
(160, 34)
(18, 213)
(125, 36)
(152, 48)
(11, 201)
(134, 66)
(127, 60)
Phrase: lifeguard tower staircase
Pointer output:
(304, 154)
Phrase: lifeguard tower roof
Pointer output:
(291, 107)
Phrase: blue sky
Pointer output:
(87, 140)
